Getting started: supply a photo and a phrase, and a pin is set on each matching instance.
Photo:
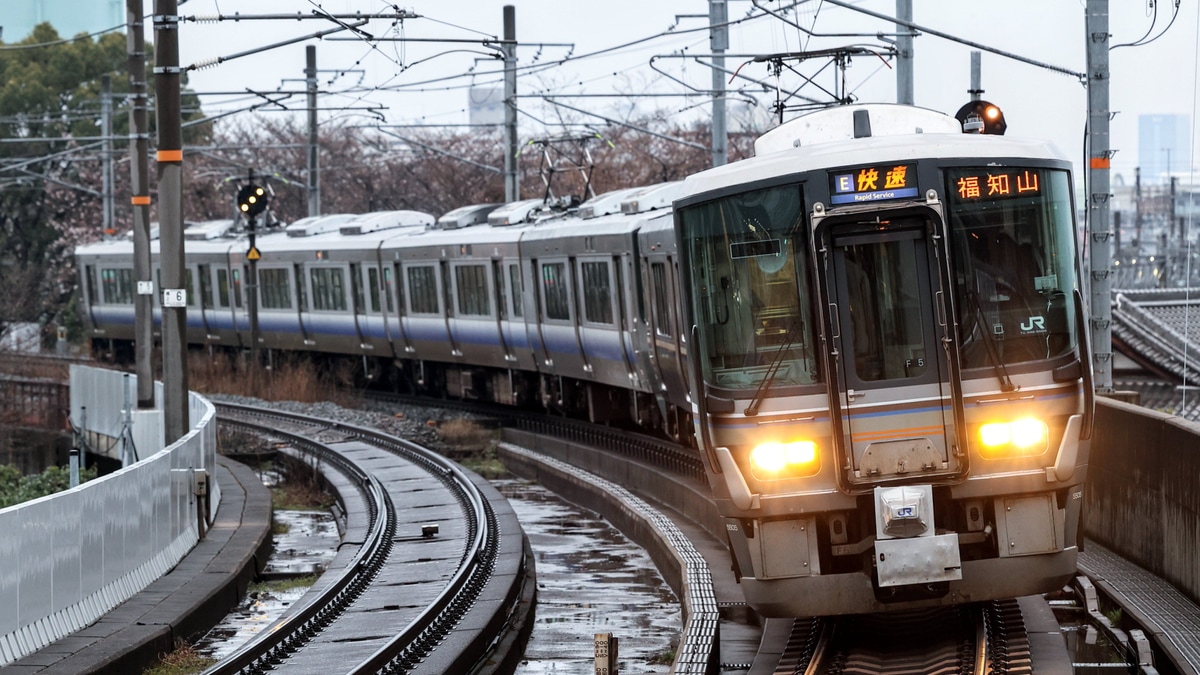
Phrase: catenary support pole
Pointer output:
(314, 176)
(170, 220)
(106, 172)
(1098, 225)
(904, 60)
(718, 36)
(512, 184)
(139, 169)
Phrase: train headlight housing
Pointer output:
(1024, 437)
(774, 460)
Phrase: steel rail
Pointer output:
(406, 650)
(316, 611)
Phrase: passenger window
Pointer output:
(662, 310)
(422, 290)
(597, 292)
(518, 290)
(471, 283)
(554, 291)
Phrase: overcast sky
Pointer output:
(423, 82)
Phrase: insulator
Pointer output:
(207, 63)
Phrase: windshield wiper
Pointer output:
(752, 409)
(997, 363)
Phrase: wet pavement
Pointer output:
(1092, 653)
(310, 541)
(591, 579)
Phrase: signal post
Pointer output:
(252, 200)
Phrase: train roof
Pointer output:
(829, 145)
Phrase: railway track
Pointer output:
(461, 563)
(979, 639)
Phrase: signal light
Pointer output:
(981, 117)
(252, 200)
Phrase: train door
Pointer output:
(208, 307)
(301, 304)
(887, 313)
(358, 299)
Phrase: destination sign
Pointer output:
(977, 184)
(874, 183)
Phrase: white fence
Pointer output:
(68, 558)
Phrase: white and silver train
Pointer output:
(874, 329)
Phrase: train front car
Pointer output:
(890, 376)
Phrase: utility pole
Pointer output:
(170, 220)
(1137, 205)
(976, 90)
(106, 171)
(718, 37)
(1099, 227)
(904, 58)
(314, 182)
(512, 180)
(135, 44)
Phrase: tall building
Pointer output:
(69, 17)
(1164, 145)
(486, 105)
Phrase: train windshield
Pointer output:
(1014, 263)
(749, 275)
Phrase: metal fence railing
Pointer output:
(68, 558)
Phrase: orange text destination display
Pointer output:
(996, 184)
(874, 183)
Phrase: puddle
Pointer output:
(1090, 650)
(310, 542)
(591, 579)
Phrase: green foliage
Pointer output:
(15, 488)
(50, 97)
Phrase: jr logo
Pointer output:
(1034, 322)
(905, 512)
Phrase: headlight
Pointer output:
(1025, 437)
(784, 460)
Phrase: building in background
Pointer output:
(486, 105)
(1164, 146)
(69, 17)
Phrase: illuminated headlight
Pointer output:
(1023, 437)
(784, 460)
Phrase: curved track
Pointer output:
(376, 570)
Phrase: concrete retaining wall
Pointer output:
(1142, 498)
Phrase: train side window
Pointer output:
(387, 290)
(188, 287)
(206, 286)
(470, 282)
(597, 292)
(328, 289)
(401, 307)
(222, 287)
(501, 293)
(555, 297)
(518, 290)
(422, 290)
(301, 291)
(93, 294)
(662, 308)
(356, 289)
(373, 288)
(237, 288)
(118, 286)
(274, 289)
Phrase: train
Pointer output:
(871, 331)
